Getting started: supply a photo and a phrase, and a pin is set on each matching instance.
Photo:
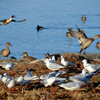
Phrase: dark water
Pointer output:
(56, 16)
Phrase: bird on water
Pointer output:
(8, 20)
(82, 38)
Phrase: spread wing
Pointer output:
(18, 21)
(3, 20)
(79, 35)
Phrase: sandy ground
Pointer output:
(36, 91)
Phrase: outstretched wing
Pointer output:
(3, 20)
(18, 21)
(79, 35)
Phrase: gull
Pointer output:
(5, 78)
(0, 77)
(64, 62)
(52, 66)
(48, 82)
(29, 78)
(10, 84)
(90, 67)
(71, 85)
(9, 66)
(52, 74)
(18, 80)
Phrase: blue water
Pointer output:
(56, 16)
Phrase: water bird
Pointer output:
(28, 58)
(52, 74)
(83, 39)
(7, 21)
(1, 77)
(48, 82)
(10, 84)
(52, 65)
(71, 85)
(83, 18)
(6, 52)
(69, 35)
(98, 45)
(5, 78)
(39, 27)
(90, 67)
(64, 62)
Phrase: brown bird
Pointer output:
(27, 58)
(8, 20)
(98, 45)
(83, 18)
(83, 39)
(68, 34)
(6, 52)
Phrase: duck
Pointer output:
(39, 27)
(28, 58)
(8, 20)
(98, 45)
(83, 18)
(84, 41)
(6, 52)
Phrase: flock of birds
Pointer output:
(53, 78)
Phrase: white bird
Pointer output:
(7, 66)
(18, 80)
(5, 78)
(29, 78)
(71, 85)
(0, 77)
(10, 83)
(64, 62)
(48, 82)
(91, 68)
(52, 66)
(52, 74)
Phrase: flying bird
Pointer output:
(8, 20)
(82, 38)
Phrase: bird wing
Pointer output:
(3, 20)
(18, 21)
(79, 35)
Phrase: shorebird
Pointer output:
(6, 52)
(83, 39)
(7, 21)
(64, 62)
(28, 58)
(52, 65)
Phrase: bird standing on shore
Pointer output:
(6, 52)
(83, 39)
(28, 58)
(7, 21)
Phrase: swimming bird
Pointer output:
(6, 52)
(7, 21)
(64, 62)
(83, 39)
(39, 27)
(83, 18)
(28, 58)
(52, 65)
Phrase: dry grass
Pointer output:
(37, 91)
